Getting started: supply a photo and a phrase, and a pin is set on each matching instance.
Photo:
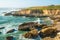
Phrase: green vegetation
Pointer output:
(45, 7)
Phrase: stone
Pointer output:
(29, 25)
(2, 27)
(47, 31)
(9, 38)
(10, 31)
(31, 34)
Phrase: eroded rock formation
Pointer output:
(31, 34)
(48, 31)
(30, 25)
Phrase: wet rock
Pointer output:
(31, 34)
(26, 26)
(0, 32)
(10, 31)
(10, 38)
(29, 25)
(47, 31)
(2, 27)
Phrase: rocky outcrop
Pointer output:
(47, 31)
(10, 31)
(37, 11)
(31, 34)
(27, 26)
(30, 25)
(2, 27)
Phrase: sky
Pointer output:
(27, 3)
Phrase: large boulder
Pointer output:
(29, 25)
(47, 31)
(31, 34)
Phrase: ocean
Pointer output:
(12, 22)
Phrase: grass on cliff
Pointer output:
(45, 7)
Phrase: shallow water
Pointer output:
(12, 22)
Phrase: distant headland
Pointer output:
(37, 11)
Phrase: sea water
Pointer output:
(12, 22)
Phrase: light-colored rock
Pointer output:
(31, 34)
(48, 31)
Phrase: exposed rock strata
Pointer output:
(35, 12)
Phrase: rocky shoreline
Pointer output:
(45, 32)
(34, 30)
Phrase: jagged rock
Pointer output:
(31, 34)
(0, 32)
(10, 31)
(47, 31)
(29, 25)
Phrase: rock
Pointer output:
(31, 34)
(9, 38)
(2, 27)
(0, 31)
(29, 25)
(44, 27)
(10, 31)
(47, 31)
(7, 14)
(26, 26)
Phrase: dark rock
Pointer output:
(0, 32)
(47, 31)
(10, 38)
(29, 25)
(2, 27)
(31, 34)
(10, 31)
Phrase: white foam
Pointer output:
(58, 33)
(38, 20)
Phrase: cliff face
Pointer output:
(52, 12)
(40, 12)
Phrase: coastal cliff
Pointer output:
(39, 11)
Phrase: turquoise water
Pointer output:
(12, 22)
